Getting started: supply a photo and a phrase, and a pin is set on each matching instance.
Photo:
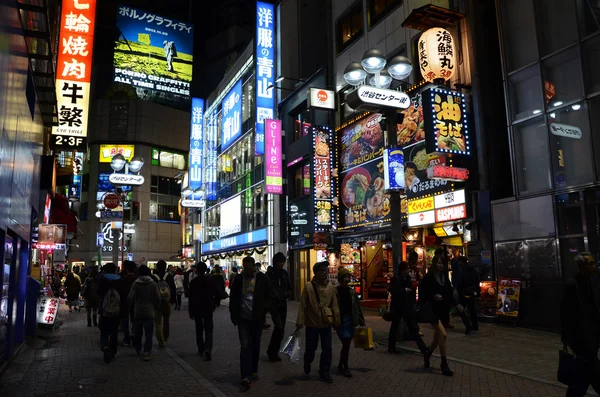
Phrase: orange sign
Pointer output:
(74, 66)
(421, 205)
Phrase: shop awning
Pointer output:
(430, 16)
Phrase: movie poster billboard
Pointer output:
(509, 293)
(154, 54)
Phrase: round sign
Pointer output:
(322, 95)
(111, 201)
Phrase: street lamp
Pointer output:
(118, 162)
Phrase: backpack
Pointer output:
(163, 289)
(111, 305)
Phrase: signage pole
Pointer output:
(123, 233)
(395, 205)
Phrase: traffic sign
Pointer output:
(111, 201)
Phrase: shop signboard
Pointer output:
(412, 129)
(437, 54)
(74, 68)
(154, 54)
(566, 131)
(254, 237)
(361, 142)
(372, 99)
(210, 161)
(393, 163)
(453, 174)
(449, 214)
(298, 225)
(421, 205)
(320, 98)
(488, 298)
(196, 144)
(509, 293)
(126, 179)
(444, 207)
(53, 237)
(416, 163)
(264, 55)
(273, 157)
(322, 143)
(68, 143)
(232, 116)
(421, 218)
(107, 152)
(363, 200)
(446, 122)
(47, 310)
(450, 199)
(231, 216)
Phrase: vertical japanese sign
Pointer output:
(210, 159)
(273, 160)
(232, 116)
(74, 66)
(196, 144)
(446, 122)
(322, 143)
(264, 57)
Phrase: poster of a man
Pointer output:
(170, 53)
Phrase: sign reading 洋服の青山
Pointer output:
(196, 144)
(232, 116)
(154, 54)
(264, 58)
(209, 166)
(74, 67)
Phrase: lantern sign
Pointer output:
(436, 54)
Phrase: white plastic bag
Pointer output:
(295, 357)
(288, 347)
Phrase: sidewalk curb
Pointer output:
(195, 374)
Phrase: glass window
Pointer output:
(525, 93)
(378, 9)
(163, 185)
(519, 33)
(594, 112)
(531, 155)
(563, 73)
(591, 60)
(568, 209)
(589, 17)
(302, 180)
(551, 15)
(349, 27)
(570, 145)
(302, 123)
(119, 110)
(247, 99)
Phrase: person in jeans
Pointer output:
(144, 296)
(283, 288)
(403, 306)
(90, 294)
(351, 316)
(108, 287)
(178, 280)
(318, 311)
(167, 290)
(580, 321)
(251, 298)
(128, 276)
(466, 285)
(203, 298)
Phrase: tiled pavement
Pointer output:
(70, 364)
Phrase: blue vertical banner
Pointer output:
(264, 57)
(232, 116)
(196, 144)
(210, 161)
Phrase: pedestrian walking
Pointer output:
(145, 298)
(436, 293)
(233, 275)
(166, 288)
(251, 298)
(466, 284)
(219, 280)
(403, 304)
(110, 310)
(186, 279)
(90, 294)
(178, 279)
(128, 277)
(283, 288)
(73, 288)
(203, 299)
(319, 311)
(351, 316)
(580, 321)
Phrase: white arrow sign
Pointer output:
(126, 179)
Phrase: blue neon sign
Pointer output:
(196, 144)
(256, 236)
(232, 116)
(210, 162)
(264, 57)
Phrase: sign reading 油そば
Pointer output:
(446, 122)
(74, 66)
(264, 55)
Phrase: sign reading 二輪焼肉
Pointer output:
(454, 174)
(509, 293)
(446, 122)
(74, 66)
(264, 58)
(154, 54)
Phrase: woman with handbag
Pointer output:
(435, 298)
(351, 316)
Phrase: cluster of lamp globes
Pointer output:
(373, 62)
(134, 165)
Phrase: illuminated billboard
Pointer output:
(264, 56)
(154, 54)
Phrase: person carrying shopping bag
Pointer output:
(351, 316)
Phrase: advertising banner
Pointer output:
(232, 116)
(416, 162)
(361, 142)
(196, 144)
(488, 298)
(231, 216)
(107, 152)
(363, 200)
(154, 54)
(322, 143)
(446, 122)
(52, 237)
(74, 66)
(47, 310)
(264, 56)
(509, 293)
(393, 162)
(273, 159)
(210, 161)
(412, 129)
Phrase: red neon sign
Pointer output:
(448, 173)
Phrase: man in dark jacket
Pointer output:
(108, 287)
(251, 297)
(145, 298)
(203, 298)
(403, 306)
(163, 315)
(580, 320)
(281, 285)
(466, 284)
(128, 278)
